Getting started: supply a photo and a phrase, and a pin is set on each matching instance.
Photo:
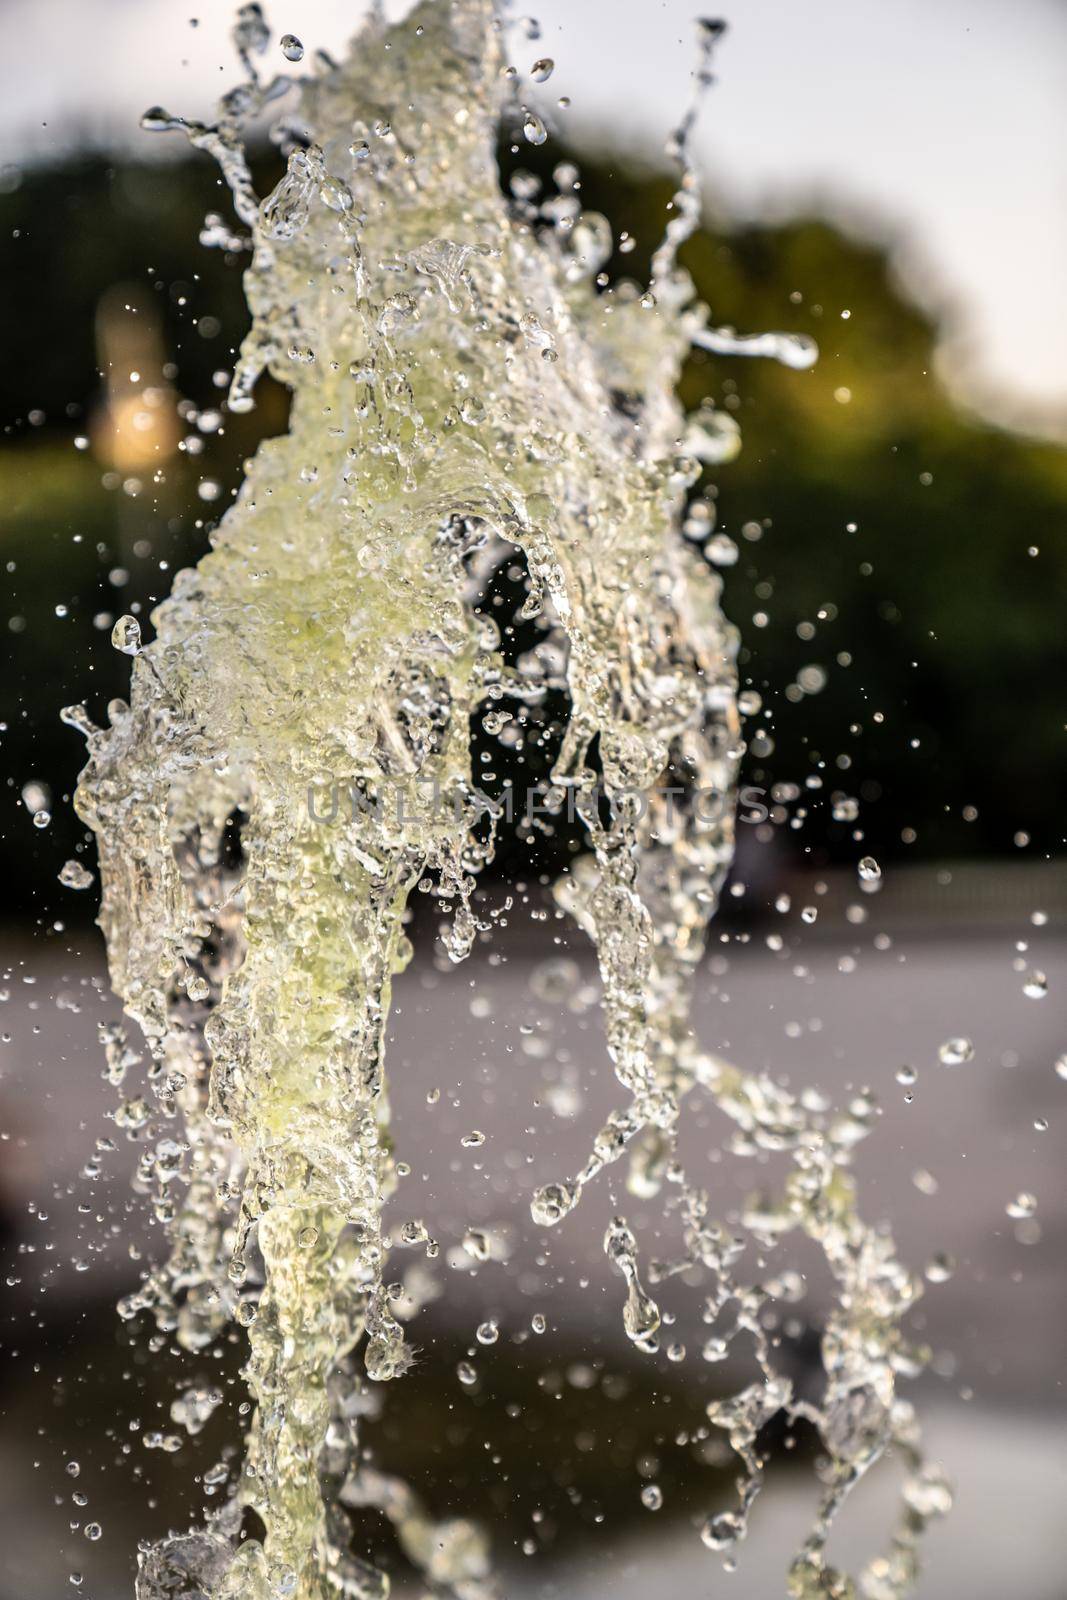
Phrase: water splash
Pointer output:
(461, 390)
(797, 350)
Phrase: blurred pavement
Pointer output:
(841, 1006)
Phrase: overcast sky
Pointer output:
(940, 122)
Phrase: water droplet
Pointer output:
(722, 1531)
(722, 551)
(397, 311)
(928, 1492)
(812, 679)
(251, 36)
(126, 635)
(74, 876)
(652, 1496)
(954, 1052)
(541, 71)
(869, 870)
(1036, 985)
(552, 1203)
(554, 981)
(476, 1244)
(336, 195)
(292, 49)
(940, 1268)
(534, 129)
(156, 120)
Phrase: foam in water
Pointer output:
(462, 390)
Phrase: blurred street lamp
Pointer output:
(137, 425)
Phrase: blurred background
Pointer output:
(893, 545)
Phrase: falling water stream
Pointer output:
(467, 389)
